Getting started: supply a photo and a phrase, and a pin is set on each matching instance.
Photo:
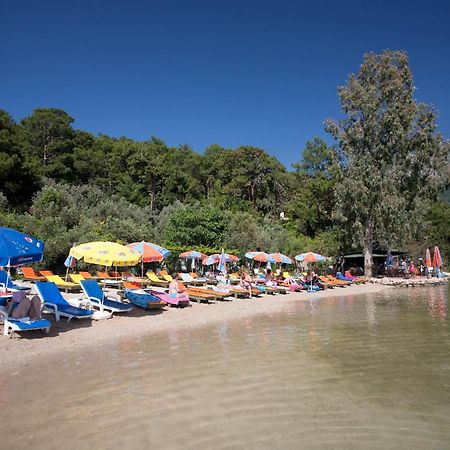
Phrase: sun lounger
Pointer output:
(108, 281)
(132, 285)
(30, 275)
(11, 325)
(187, 278)
(96, 296)
(203, 279)
(54, 302)
(234, 291)
(341, 277)
(143, 299)
(196, 295)
(333, 281)
(88, 276)
(46, 273)
(180, 301)
(66, 285)
(7, 284)
(115, 274)
(76, 277)
(155, 281)
(217, 294)
(165, 275)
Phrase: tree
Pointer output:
(312, 189)
(17, 180)
(391, 158)
(49, 134)
(191, 225)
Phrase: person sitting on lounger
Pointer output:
(269, 279)
(246, 282)
(175, 288)
(21, 306)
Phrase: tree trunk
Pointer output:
(368, 249)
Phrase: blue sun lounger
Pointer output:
(53, 301)
(20, 324)
(94, 293)
(7, 283)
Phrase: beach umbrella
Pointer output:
(260, 256)
(428, 258)
(215, 259)
(70, 263)
(310, 257)
(192, 254)
(222, 267)
(106, 254)
(17, 249)
(437, 260)
(280, 258)
(150, 252)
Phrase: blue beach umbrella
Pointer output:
(17, 249)
(222, 263)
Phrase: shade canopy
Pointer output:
(192, 254)
(17, 248)
(215, 259)
(150, 252)
(281, 259)
(310, 257)
(106, 254)
(260, 256)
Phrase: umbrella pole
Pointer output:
(142, 267)
(67, 273)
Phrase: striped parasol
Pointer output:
(280, 258)
(310, 257)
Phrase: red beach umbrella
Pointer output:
(428, 258)
(437, 260)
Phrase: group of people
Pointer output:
(406, 267)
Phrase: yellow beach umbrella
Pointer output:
(106, 254)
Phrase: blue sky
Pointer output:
(261, 73)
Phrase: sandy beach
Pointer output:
(78, 334)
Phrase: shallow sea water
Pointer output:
(366, 371)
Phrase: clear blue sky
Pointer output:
(260, 73)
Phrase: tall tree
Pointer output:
(50, 136)
(390, 155)
(312, 189)
(17, 180)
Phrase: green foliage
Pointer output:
(193, 225)
(390, 156)
(312, 189)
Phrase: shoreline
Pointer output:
(86, 334)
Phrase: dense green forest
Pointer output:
(66, 186)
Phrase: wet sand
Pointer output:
(78, 334)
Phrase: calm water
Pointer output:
(351, 372)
